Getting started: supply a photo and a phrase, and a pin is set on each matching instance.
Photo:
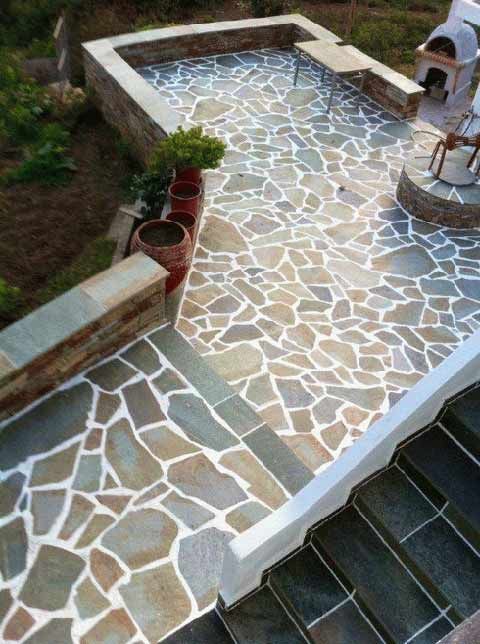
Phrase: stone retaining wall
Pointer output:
(143, 117)
(420, 203)
(79, 328)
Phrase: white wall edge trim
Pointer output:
(270, 540)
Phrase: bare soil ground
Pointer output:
(43, 229)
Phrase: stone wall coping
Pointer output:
(126, 40)
(54, 322)
(395, 78)
(134, 85)
(111, 55)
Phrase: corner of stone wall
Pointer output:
(79, 328)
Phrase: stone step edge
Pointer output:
(415, 568)
(437, 497)
(274, 454)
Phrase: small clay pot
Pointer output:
(169, 244)
(186, 219)
(185, 196)
(194, 175)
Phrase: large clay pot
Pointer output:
(186, 219)
(194, 175)
(185, 196)
(169, 244)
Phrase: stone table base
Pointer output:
(434, 200)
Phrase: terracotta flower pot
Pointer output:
(169, 244)
(186, 219)
(185, 196)
(194, 175)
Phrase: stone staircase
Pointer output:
(399, 564)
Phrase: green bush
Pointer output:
(26, 20)
(46, 161)
(187, 149)
(151, 187)
(10, 298)
(266, 8)
(394, 39)
(22, 102)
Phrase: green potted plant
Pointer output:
(188, 152)
(151, 188)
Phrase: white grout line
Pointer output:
(445, 518)
(392, 551)
(422, 525)
(457, 442)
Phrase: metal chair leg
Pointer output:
(434, 154)
(332, 90)
(442, 161)
(297, 68)
(473, 157)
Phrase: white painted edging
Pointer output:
(270, 540)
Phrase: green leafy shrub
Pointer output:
(10, 298)
(46, 161)
(187, 149)
(22, 102)
(392, 40)
(151, 187)
(25, 20)
(266, 8)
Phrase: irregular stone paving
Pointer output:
(312, 293)
(118, 495)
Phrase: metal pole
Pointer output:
(297, 68)
(360, 89)
(332, 89)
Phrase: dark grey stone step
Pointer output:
(261, 619)
(431, 548)
(397, 605)
(438, 463)
(307, 584)
(279, 459)
(191, 365)
(208, 628)
(345, 625)
(462, 419)
(434, 632)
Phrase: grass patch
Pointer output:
(96, 257)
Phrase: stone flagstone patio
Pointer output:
(316, 297)
(312, 292)
(118, 495)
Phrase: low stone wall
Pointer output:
(79, 328)
(393, 91)
(136, 109)
(420, 203)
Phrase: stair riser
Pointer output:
(426, 486)
(343, 577)
(461, 432)
(410, 563)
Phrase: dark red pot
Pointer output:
(186, 219)
(169, 244)
(194, 175)
(185, 196)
